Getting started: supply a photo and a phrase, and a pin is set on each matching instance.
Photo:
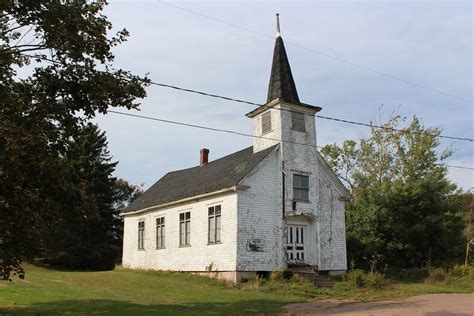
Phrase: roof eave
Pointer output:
(269, 105)
(234, 188)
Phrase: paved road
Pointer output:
(427, 305)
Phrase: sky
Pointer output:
(226, 47)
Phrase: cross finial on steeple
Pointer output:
(278, 24)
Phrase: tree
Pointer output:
(64, 48)
(401, 214)
(86, 238)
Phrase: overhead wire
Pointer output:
(317, 116)
(235, 132)
(315, 51)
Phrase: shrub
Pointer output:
(436, 275)
(356, 278)
(375, 280)
(278, 275)
(459, 271)
(360, 279)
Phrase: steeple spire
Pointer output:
(278, 25)
(281, 83)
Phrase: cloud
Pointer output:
(429, 43)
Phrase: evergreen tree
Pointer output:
(85, 238)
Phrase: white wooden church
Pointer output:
(268, 207)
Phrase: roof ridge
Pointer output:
(211, 162)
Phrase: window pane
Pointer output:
(181, 234)
(181, 217)
(188, 215)
(218, 209)
(296, 194)
(188, 233)
(218, 228)
(305, 182)
(211, 211)
(305, 195)
(296, 181)
(211, 231)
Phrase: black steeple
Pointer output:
(281, 84)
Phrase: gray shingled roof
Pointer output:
(222, 173)
(281, 83)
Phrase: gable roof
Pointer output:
(222, 173)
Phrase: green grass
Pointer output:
(127, 292)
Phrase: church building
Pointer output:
(269, 207)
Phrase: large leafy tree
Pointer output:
(401, 214)
(56, 71)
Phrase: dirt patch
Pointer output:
(429, 305)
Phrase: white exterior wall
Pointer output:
(199, 256)
(323, 214)
(299, 155)
(260, 222)
(332, 226)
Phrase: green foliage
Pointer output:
(402, 214)
(356, 278)
(436, 275)
(361, 279)
(67, 77)
(278, 275)
(94, 227)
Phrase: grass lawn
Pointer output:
(128, 292)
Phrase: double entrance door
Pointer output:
(295, 243)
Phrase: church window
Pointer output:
(300, 187)
(298, 122)
(185, 229)
(160, 232)
(141, 235)
(266, 122)
(214, 222)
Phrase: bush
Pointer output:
(459, 271)
(356, 278)
(436, 275)
(375, 280)
(360, 279)
(278, 275)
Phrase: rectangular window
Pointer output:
(214, 224)
(298, 122)
(185, 229)
(141, 235)
(266, 122)
(300, 187)
(160, 233)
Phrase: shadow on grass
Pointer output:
(111, 307)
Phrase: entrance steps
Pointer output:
(311, 273)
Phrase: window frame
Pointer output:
(141, 235)
(214, 224)
(185, 229)
(160, 226)
(266, 115)
(299, 186)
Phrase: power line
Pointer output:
(280, 109)
(318, 116)
(235, 132)
(366, 68)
